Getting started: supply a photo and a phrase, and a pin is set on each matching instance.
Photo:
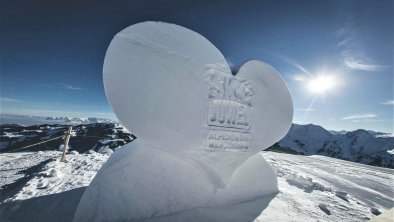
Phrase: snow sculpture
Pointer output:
(199, 129)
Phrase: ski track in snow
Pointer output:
(312, 188)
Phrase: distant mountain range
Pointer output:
(102, 135)
(38, 120)
(362, 146)
(87, 120)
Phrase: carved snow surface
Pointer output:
(158, 186)
(199, 128)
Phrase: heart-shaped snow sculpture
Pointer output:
(173, 89)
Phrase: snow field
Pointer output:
(314, 188)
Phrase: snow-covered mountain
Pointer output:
(38, 120)
(88, 120)
(360, 146)
(377, 134)
(100, 137)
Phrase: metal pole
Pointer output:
(66, 142)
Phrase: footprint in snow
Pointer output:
(342, 195)
(324, 208)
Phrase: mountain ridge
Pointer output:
(360, 145)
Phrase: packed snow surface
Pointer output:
(312, 188)
(317, 188)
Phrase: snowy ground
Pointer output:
(317, 188)
(37, 187)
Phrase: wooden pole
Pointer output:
(66, 142)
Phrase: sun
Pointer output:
(321, 84)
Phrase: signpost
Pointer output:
(66, 139)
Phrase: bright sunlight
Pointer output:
(321, 84)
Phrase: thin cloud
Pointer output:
(360, 116)
(388, 102)
(66, 86)
(291, 62)
(370, 120)
(11, 100)
(352, 49)
(358, 65)
(300, 78)
(61, 85)
(345, 41)
(307, 109)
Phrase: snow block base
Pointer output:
(142, 183)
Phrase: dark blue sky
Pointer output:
(52, 52)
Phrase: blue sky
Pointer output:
(52, 52)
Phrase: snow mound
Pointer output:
(164, 195)
(307, 184)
